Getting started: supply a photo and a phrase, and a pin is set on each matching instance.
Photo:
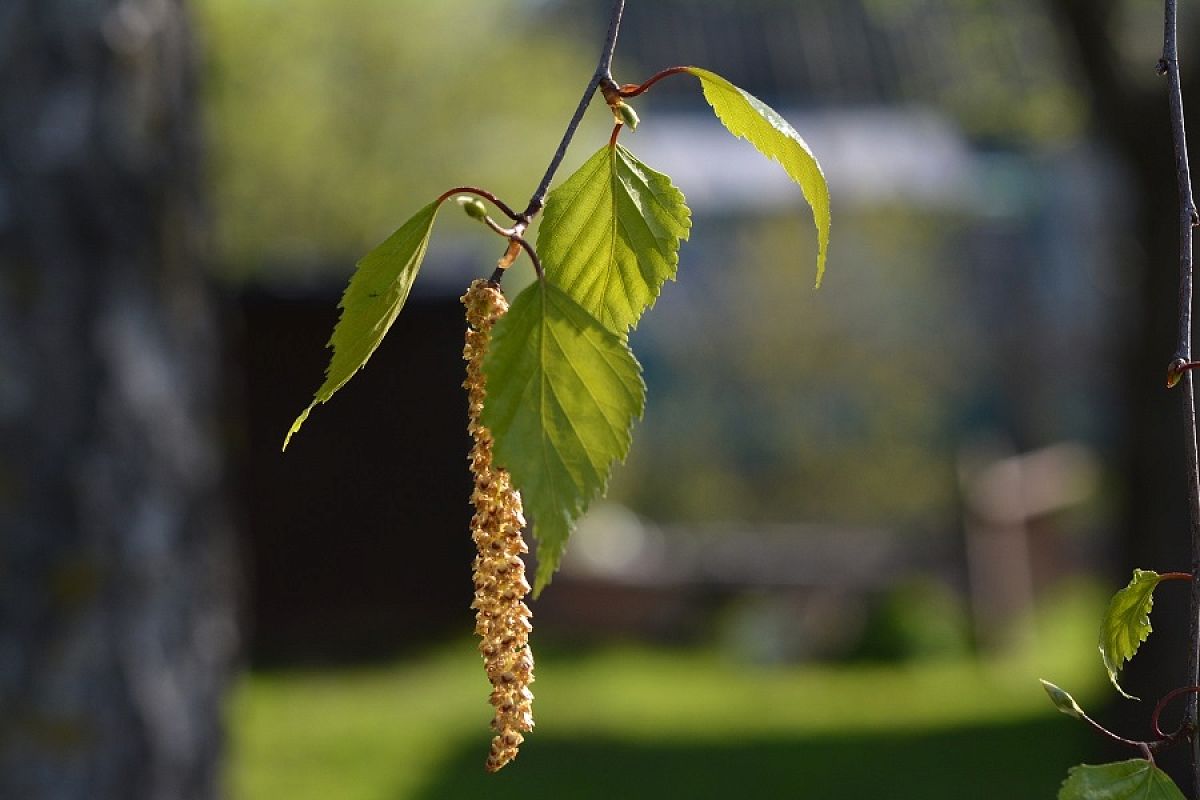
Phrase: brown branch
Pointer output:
(602, 76)
(1187, 221)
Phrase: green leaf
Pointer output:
(1137, 779)
(562, 394)
(1126, 624)
(1062, 700)
(610, 236)
(373, 298)
(752, 119)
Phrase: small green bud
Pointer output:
(1175, 372)
(1063, 701)
(473, 206)
(627, 115)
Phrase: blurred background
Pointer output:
(856, 525)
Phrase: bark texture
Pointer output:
(116, 615)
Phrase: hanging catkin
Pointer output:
(501, 616)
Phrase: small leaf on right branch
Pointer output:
(756, 122)
(1126, 624)
(1137, 779)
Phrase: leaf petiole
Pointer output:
(635, 89)
(485, 194)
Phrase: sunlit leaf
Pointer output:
(373, 298)
(563, 392)
(1062, 700)
(610, 236)
(1137, 779)
(752, 119)
(1126, 624)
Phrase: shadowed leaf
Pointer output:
(1137, 779)
(563, 392)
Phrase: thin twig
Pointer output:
(1187, 220)
(1145, 748)
(500, 230)
(485, 194)
(602, 75)
(1162, 704)
(514, 239)
(612, 140)
(635, 89)
(533, 256)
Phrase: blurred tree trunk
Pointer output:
(116, 612)
(1131, 114)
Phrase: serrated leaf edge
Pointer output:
(661, 190)
(324, 393)
(1114, 668)
(550, 554)
(1144, 766)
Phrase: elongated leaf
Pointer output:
(610, 236)
(373, 298)
(755, 121)
(1137, 779)
(1062, 700)
(562, 394)
(1126, 624)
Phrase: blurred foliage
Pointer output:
(329, 128)
(996, 66)
(622, 720)
(916, 620)
(781, 403)
(331, 124)
(990, 761)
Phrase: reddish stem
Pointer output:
(1175, 576)
(512, 234)
(612, 140)
(1162, 704)
(533, 256)
(486, 195)
(1142, 747)
(634, 89)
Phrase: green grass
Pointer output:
(636, 721)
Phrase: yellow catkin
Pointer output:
(501, 616)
